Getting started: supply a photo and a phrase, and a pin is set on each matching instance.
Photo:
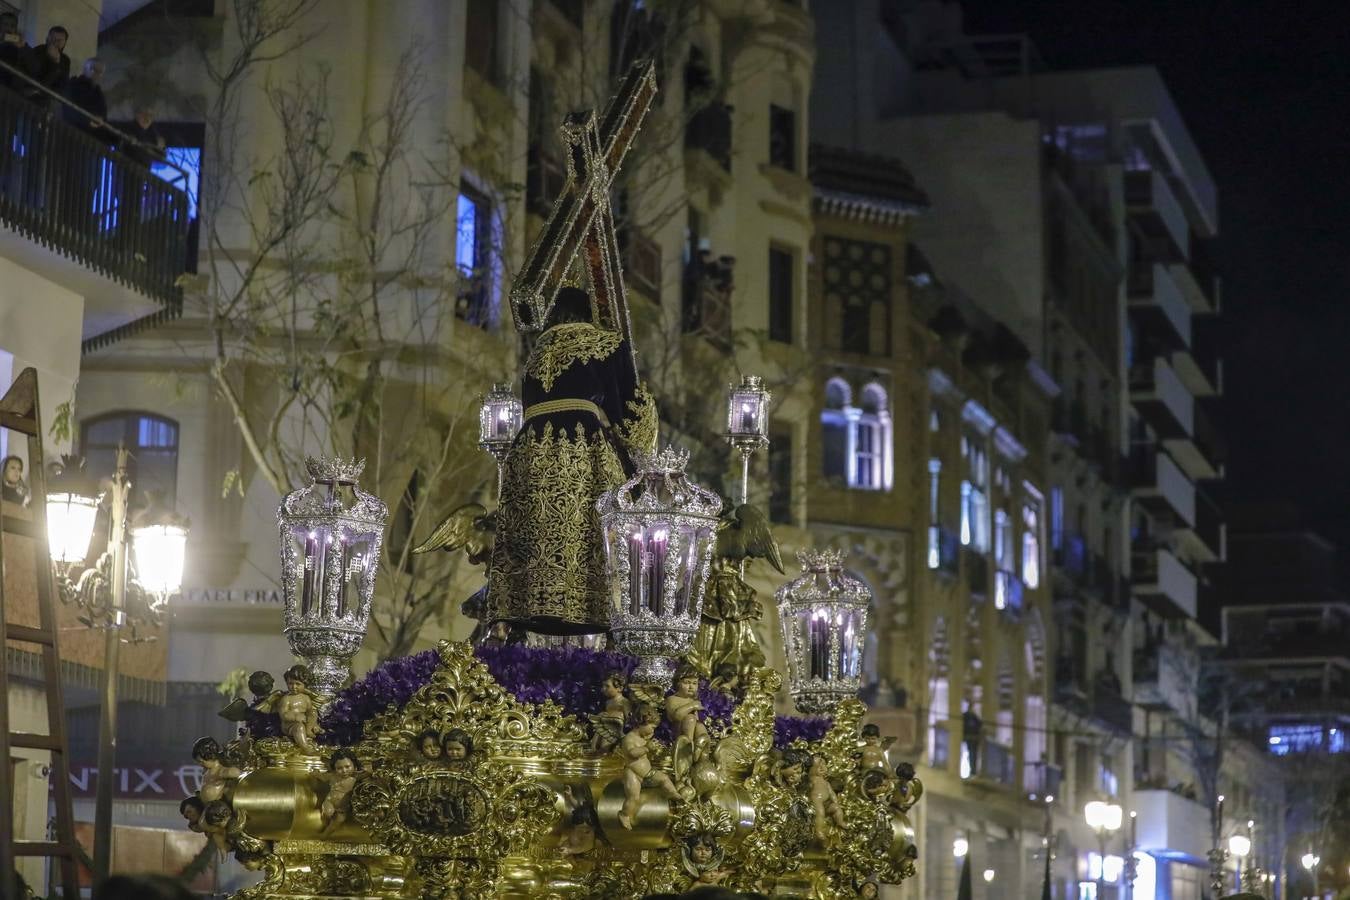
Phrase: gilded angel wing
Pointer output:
(470, 528)
(745, 533)
(236, 711)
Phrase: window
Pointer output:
(481, 28)
(857, 283)
(857, 440)
(975, 496)
(782, 137)
(834, 427)
(934, 523)
(1031, 544)
(152, 442)
(781, 294)
(475, 259)
(1057, 517)
(780, 476)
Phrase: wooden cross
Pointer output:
(581, 216)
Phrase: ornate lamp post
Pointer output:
(499, 419)
(823, 614)
(1104, 819)
(748, 422)
(1131, 864)
(659, 529)
(331, 533)
(1311, 861)
(105, 594)
(1239, 845)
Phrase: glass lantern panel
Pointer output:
(635, 590)
(818, 644)
(160, 552)
(357, 558)
(70, 526)
(310, 547)
(658, 547)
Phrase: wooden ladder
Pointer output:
(19, 412)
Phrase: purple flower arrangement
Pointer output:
(571, 677)
(390, 684)
(787, 729)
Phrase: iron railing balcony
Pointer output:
(1200, 366)
(1157, 212)
(709, 130)
(1163, 582)
(77, 196)
(1161, 486)
(1158, 304)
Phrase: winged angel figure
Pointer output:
(726, 645)
(473, 529)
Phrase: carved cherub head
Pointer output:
(646, 720)
(871, 735)
(217, 814)
(792, 768)
(298, 676)
(344, 763)
(614, 685)
(206, 750)
(429, 744)
(702, 849)
(191, 809)
(261, 683)
(686, 681)
(875, 784)
(457, 745)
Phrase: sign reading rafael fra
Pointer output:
(232, 596)
(147, 782)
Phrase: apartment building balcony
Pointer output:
(976, 565)
(1199, 366)
(1164, 677)
(1009, 591)
(1170, 823)
(1157, 301)
(707, 285)
(994, 765)
(1162, 398)
(1207, 539)
(1097, 698)
(1153, 206)
(91, 220)
(1160, 485)
(1041, 779)
(1202, 452)
(1163, 582)
(707, 145)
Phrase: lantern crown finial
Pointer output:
(813, 560)
(671, 460)
(334, 469)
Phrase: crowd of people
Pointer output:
(39, 79)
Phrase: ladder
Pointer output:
(19, 412)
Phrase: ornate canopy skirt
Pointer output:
(548, 561)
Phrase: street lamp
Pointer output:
(1104, 819)
(960, 847)
(1239, 845)
(112, 594)
(1310, 862)
(989, 875)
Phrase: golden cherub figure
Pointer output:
(608, 724)
(683, 706)
(824, 803)
(702, 856)
(343, 771)
(299, 708)
(639, 772)
(872, 753)
(217, 778)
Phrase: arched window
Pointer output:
(857, 439)
(151, 441)
(1031, 544)
(834, 427)
(940, 735)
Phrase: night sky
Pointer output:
(1265, 89)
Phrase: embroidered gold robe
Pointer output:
(585, 415)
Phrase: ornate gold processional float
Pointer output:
(523, 763)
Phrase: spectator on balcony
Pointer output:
(48, 65)
(147, 144)
(12, 49)
(971, 728)
(90, 110)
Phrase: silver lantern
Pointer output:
(331, 533)
(658, 528)
(748, 423)
(500, 416)
(824, 618)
